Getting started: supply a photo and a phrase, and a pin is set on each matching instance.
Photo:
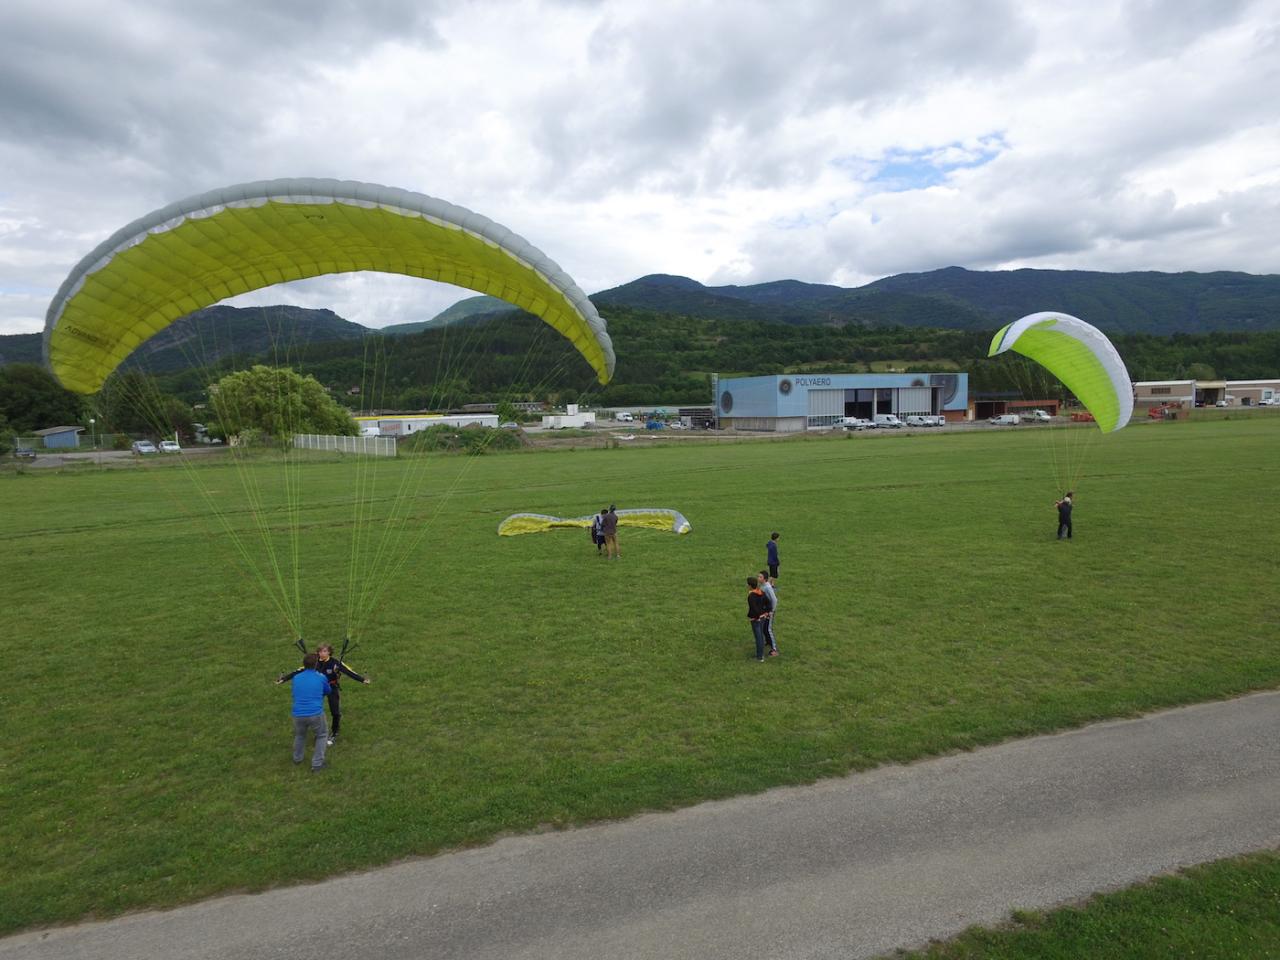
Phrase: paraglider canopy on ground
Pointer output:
(654, 518)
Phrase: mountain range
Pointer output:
(952, 298)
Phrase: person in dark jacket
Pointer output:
(597, 532)
(1064, 515)
(757, 611)
(332, 669)
(609, 530)
(771, 555)
(309, 688)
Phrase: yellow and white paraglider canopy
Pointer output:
(226, 242)
(654, 518)
(1078, 354)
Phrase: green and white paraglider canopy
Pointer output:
(226, 242)
(1078, 354)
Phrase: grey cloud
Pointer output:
(703, 71)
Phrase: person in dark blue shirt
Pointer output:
(771, 552)
(309, 688)
(1064, 515)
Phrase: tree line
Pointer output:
(663, 358)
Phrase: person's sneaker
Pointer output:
(329, 742)
(759, 659)
(320, 768)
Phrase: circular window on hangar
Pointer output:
(726, 402)
(784, 386)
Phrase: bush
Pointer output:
(470, 440)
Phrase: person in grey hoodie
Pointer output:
(771, 595)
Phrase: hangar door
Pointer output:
(912, 400)
(826, 407)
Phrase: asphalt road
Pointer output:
(847, 868)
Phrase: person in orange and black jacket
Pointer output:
(332, 669)
(757, 611)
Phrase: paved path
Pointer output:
(847, 868)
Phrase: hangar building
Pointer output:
(792, 402)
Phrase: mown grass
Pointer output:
(521, 682)
(1228, 909)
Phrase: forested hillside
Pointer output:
(1162, 303)
(668, 359)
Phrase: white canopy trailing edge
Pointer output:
(1078, 354)
(655, 518)
(225, 242)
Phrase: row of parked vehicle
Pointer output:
(144, 447)
(889, 421)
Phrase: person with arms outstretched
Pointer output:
(332, 669)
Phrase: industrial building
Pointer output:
(792, 402)
(1205, 393)
(402, 425)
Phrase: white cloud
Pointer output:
(732, 143)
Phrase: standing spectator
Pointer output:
(771, 595)
(609, 528)
(771, 551)
(309, 689)
(597, 535)
(757, 611)
(1064, 516)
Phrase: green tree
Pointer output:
(30, 399)
(132, 402)
(1201, 371)
(277, 402)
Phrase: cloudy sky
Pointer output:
(730, 142)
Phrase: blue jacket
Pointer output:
(309, 688)
(772, 548)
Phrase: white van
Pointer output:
(624, 417)
(887, 421)
(1006, 420)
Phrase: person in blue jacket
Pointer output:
(309, 689)
(771, 551)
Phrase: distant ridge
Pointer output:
(953, 297)
(1146, 302)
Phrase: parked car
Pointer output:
(1223, 403)
(170, 446)
(857, 423)
(24, 453)
(677, 425)
(143, 447)
(918, 420)
(887, 421)
(1038, 416)
(938, 420)
(1005, 420)
(509, 425)
(623, 417)
(1269, 402)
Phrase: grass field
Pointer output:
(522, 682)
(1225, 909)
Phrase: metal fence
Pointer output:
(368, 446)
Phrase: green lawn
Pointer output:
(521, 682)
(1229, 909)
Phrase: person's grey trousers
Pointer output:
(303, 725)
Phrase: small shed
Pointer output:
(60, 438)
